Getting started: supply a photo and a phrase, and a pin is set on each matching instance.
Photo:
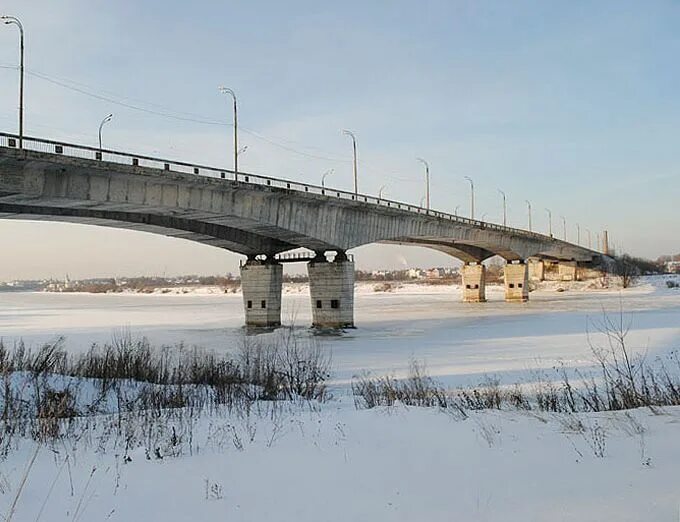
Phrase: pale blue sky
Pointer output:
(572, 105)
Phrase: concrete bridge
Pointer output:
(262, 218)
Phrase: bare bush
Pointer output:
(596, 438)
(417, 389)
(150, 396)
(487, 396)
(626, 269)
(621, 380)
(289, 368)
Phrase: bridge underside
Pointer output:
(227, 232)
(233, 233)
(468, 252)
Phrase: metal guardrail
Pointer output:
(296, 257)
(111, 156)
(292, 257)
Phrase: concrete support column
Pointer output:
(331, 287)
(516, 281)
(474, 283)
(568, 271)
(261, 284)
(536, 270)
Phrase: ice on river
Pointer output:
(459, 342)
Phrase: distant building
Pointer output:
(673, 267)
(434, 273)
(415, 273)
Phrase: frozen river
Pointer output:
(459, 342)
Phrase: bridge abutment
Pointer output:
(261, 284)
(567, 271)
(516, 278)
(331, 288)
(474, 283)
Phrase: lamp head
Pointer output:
(11, 20)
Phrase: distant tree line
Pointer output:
(630, 268)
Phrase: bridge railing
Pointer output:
(111, 156)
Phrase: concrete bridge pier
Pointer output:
(567, 271)
(536, 270)
(261, 283)
(516, 277)
(474, 283)
(331, 288)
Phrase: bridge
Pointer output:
(263, 218)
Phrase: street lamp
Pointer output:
(564, 226)
(505, 213)
(323, 178)
(455, 211)
(549, 221)
(529, 212)
(472, 197)
(380, 191)
(427, 181)
(9, 20)
(354, 155)
(101, 125)
(226, 90)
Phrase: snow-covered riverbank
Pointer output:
(333, 462)
(401, 464)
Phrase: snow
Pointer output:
(400, 464)
(332, 462)
(459, 342)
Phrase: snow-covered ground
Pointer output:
(377, 465)
(336, 463)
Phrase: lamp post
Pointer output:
(427, 181)
(455, 211)
(380, 191)
(472, 197)
(101, 126)
(354, 156)
(226, 90)
(505, 213)
(9, 20)
(323, 178)
(549, 221)
(564, 227)
(590, 242)
(529, 212)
